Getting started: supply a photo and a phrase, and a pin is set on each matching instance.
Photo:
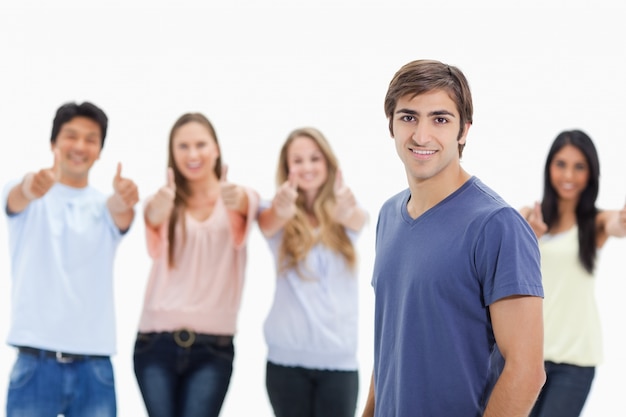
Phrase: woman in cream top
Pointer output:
(571, 231)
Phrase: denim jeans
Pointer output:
(41, 386)
(302, 392)
(181, 379)
(565, 391)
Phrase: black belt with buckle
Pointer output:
(186, 338)
(59, 356)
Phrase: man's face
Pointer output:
(425, 130)
(77, 147)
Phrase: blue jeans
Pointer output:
(302, 392)
(183, 375)
(41, 386)
(565, 391)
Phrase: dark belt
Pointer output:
(61, 357)
(186, 338)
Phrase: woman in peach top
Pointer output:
(197, 225)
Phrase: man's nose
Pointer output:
(420, 134)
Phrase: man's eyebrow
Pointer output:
(406, 111)
(432, 113)
(441, 113)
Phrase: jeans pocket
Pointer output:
(102, 369)
(144, 342)
(23, 370)
(225, 353)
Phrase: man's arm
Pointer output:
(124, 198)
(518, 329)
(368, 411)
(18, 198)
(34, 185)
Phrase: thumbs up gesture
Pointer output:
(125, 194)
(535, 220)
(284, 202)
(345, 202)
(36, 185)
(159, 207)
(622, 219)
(233, 196)
(163, 200)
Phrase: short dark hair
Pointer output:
(68, 111)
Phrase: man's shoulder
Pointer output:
(395, 199)
(486, 196)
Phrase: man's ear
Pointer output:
(463, 136)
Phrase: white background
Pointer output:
(259, 70)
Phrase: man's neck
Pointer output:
(428, 193)
(74, 182)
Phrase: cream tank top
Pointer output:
(572, 332)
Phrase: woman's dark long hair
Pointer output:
(586, 210)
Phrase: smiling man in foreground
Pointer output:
(458, 315)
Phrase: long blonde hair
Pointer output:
(299, 236)
(182, 185)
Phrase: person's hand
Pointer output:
(535, 220)
(622, 217)
(125, 193)
(345, 202)
(284, 202)
(163, 200)
(37, 184)
(233, 196)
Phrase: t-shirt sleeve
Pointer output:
(5, 196)
(117, 233)
(507, 257)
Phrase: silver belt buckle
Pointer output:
(63, 359)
